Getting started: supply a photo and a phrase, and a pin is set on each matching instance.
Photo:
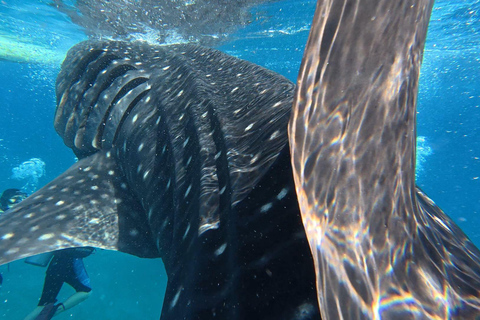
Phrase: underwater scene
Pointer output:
(36, 35)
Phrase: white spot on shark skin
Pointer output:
(87, 169)
(145, 175)
(250, 126)
(52, 187)
(189, 160)
(208, 226)
(46, 236)
(263, 91)
(219, 153)
(266, 207)
(38, 197)
(67, 178)
(60, 217)
(139, 168)
(188, 191)
(234, 89)
(221, 249)
(94, 221)
(274, 135)
(65, 189)
(186, 142)
(111, 172)
(180, 93)
(140, 147)
(8, 236)
(277, 104)
(29, 215)
(158, 120)
(133, 232)
(59, 203)
(123, 186)
(94, 188)
(138, 63)
(12, 251)
(176, 297)
(254, 159)
(166, 68)
(223, 189)
(186, 231)
(168, 184)
(134, 119)
(34, 228)
(282, 193)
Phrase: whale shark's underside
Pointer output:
(187, 154)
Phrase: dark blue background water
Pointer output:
(129, 288)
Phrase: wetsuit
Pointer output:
(66, 267)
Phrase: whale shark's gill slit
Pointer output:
(76, 73)
(128, 88)
(165, 201)
(85, 99)
(117, 110)
(112, 76)
(128, 110)
(84, 139)
(229, 220)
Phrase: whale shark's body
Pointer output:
(184, 156)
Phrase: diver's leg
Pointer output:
(72, 301)
(51, 288)
(80, 281)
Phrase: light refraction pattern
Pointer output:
(382, 248)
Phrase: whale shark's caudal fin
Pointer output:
(382, 249)
(88, 205)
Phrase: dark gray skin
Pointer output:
(382, 248)
(183, 155)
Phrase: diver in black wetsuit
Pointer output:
(66, 266)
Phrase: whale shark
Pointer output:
(259, 210)
(183, 155)
(382, 248)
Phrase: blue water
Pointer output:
(129, 288)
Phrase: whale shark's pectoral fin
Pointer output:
(88, 205)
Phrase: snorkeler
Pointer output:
(10, 198)
(66, 266)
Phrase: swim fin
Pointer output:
(48, 312)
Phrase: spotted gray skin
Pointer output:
(183, 155)
(382, 248)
